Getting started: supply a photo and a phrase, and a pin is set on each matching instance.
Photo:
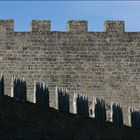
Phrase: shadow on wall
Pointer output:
(134, 117)
(80, 105)
(116, 113)
(62, 101)
(42, 94)
(80, 102)
(98, 108)
(19, 89)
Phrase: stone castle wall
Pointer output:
(102, 64)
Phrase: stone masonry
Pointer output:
(101, 64)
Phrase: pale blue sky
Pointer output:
(59, 12)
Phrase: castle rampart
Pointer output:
(105, 64)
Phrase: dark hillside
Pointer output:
(24, 120)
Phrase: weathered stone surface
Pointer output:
(104, 64)
(77, 26)
(114, 26)
(40, 25)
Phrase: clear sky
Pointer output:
(59, 12)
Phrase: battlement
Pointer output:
(77, 26)
(7, 25)
(72, 26)
(40, 25)
(114, 26)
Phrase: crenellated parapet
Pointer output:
(72, 26)
(78, 26)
